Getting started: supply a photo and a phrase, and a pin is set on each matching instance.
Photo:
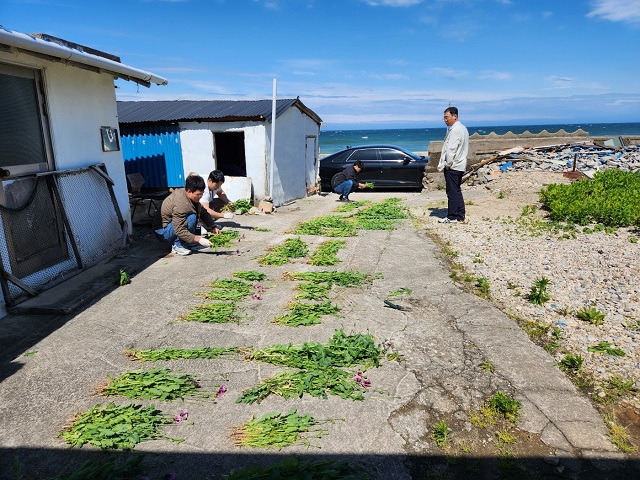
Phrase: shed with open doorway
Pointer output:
(229, 135)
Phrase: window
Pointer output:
(389, 154)
(23, 136)
(364, 155)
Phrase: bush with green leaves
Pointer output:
(538, 294)
(612, 198)
(591, 315)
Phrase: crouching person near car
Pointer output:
(178, 216)
(346, 181)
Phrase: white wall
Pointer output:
(197, 153)
(292, 127)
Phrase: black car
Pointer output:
(386, 166)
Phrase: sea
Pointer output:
(417, 139)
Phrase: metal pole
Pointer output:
(273, 140)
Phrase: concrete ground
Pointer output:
(50, 365)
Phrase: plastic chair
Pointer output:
(136, 197)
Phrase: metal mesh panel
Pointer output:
(92, 215)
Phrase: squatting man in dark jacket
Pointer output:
(178, 216)
(346, 181)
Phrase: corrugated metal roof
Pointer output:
(206, 110)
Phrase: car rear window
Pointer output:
(364, 154)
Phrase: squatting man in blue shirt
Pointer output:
(453, 161)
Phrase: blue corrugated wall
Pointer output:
(155, 152)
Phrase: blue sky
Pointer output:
(371, 63)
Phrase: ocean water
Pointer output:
(417, 139)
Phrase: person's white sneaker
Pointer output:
(447, 220)
(177, 250)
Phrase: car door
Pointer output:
(397, 168)
(369, 157)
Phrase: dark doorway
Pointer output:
(230, 156)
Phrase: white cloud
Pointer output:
(616, 10)
(392, 3)
(491, 75)
(448, 72)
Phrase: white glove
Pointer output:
(228, 215)
(204, 242)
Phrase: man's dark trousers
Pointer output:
(453, 180)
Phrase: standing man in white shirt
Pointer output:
(453, 162)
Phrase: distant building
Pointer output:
(64, 203)
(165, 140)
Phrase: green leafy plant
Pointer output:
(280, 255)
(622, 387)
(115, 427)
(313, 291)
(505, 405)
(488, 366)
(317, 383)
(277, 430)
(399, 292)
(228, 289)
(156, 384)
(328, 226)
(500, 194)
(306, 313)
(217, 312)
(342, 279)
(440, 433)
(326, 254)
(223, 239)
(250, 275)
(538, 294)
(389, 209)
(483, 286)
(179, 353)
(261, 229)
(605, 347)
(123, 278)
(341, 350)
(243, 206)
(536, 329)
(369, 184)
(572, 362)
(609, 199)
(633, 239)
(297, 469)
(591, 315)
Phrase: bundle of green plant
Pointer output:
(313, 291)
(505, 405)
(440, 433)
(277, 430)
(326, 254)
(349, 207)
(112, 469)
(179, 353)
(250, 275)
(317, 383)
(296, 469)
(156, 384)
(228, 289)
(304, 314)
(399, 292)
(243, 206)
(218, 312)
(342, 279)
(389, 209)
(116, 427)
(374, 223)
(483, 287)
(340, 351)
(538, 294)
(611, 199)
(369, 185)
(328, 226)
(572, 362)
(123, 278)
(280, 255)
(605, 347)
(591, 315)
(223, 239)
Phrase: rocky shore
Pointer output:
(508, 242)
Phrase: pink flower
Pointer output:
(221, 391)
(177, 420)
(238, 252)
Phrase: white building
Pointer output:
(232, 136)
(64, 204)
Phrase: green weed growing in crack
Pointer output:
(440, 434)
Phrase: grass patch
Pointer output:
(611, 199)
(389, 209)
(399, 292)
(156, 384)
(218, 312)
(591, 315)
(619, 435)
(326, 254)
(440, 434)
(313, 291)
(250, 275)
(350, 207)
(281, 254)
(112, 427)
(295, 468)
(317, 383)
(304, 314)
(327, 226)
(538, 294)
(340, 351)
(277, 430)
(505, 405)
(342, 279)
(179, 353)
(228, 289)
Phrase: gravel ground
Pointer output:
(506, 241)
